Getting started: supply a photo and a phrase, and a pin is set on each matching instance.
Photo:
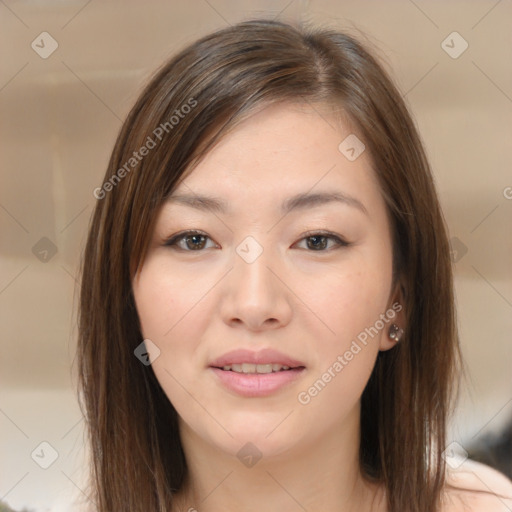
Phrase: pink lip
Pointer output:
(256, 385)
(265, 356)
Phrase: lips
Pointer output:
(265, 356)
(256, 384)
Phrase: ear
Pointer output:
(395, 312)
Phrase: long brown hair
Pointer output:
(192, 101)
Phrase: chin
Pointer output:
(250, 446)
(252, 435)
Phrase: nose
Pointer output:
(255, 294)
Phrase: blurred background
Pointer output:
(70, 71)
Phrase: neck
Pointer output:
(322, 474)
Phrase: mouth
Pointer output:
(256, 374)
(252, 381)
(266, 360)
(257, 369)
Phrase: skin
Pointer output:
(311, 304)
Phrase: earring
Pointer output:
(395, 332)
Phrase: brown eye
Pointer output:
(188, 241)
(319, 242)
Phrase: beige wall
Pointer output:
(60, 115)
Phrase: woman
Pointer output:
(267, 317)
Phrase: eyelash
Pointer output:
(173, 240)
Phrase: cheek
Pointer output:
(154, 303)
(347, 302)
(166, 300)
(346, 355)
(175, 310)
(170, 311)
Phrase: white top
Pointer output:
(477, 488)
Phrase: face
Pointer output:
(305, 282)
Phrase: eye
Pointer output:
(188, 241)
(319, 241)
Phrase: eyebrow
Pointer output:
(297, 202)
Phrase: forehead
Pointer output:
(282, 151)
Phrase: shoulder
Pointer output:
(475, 487)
